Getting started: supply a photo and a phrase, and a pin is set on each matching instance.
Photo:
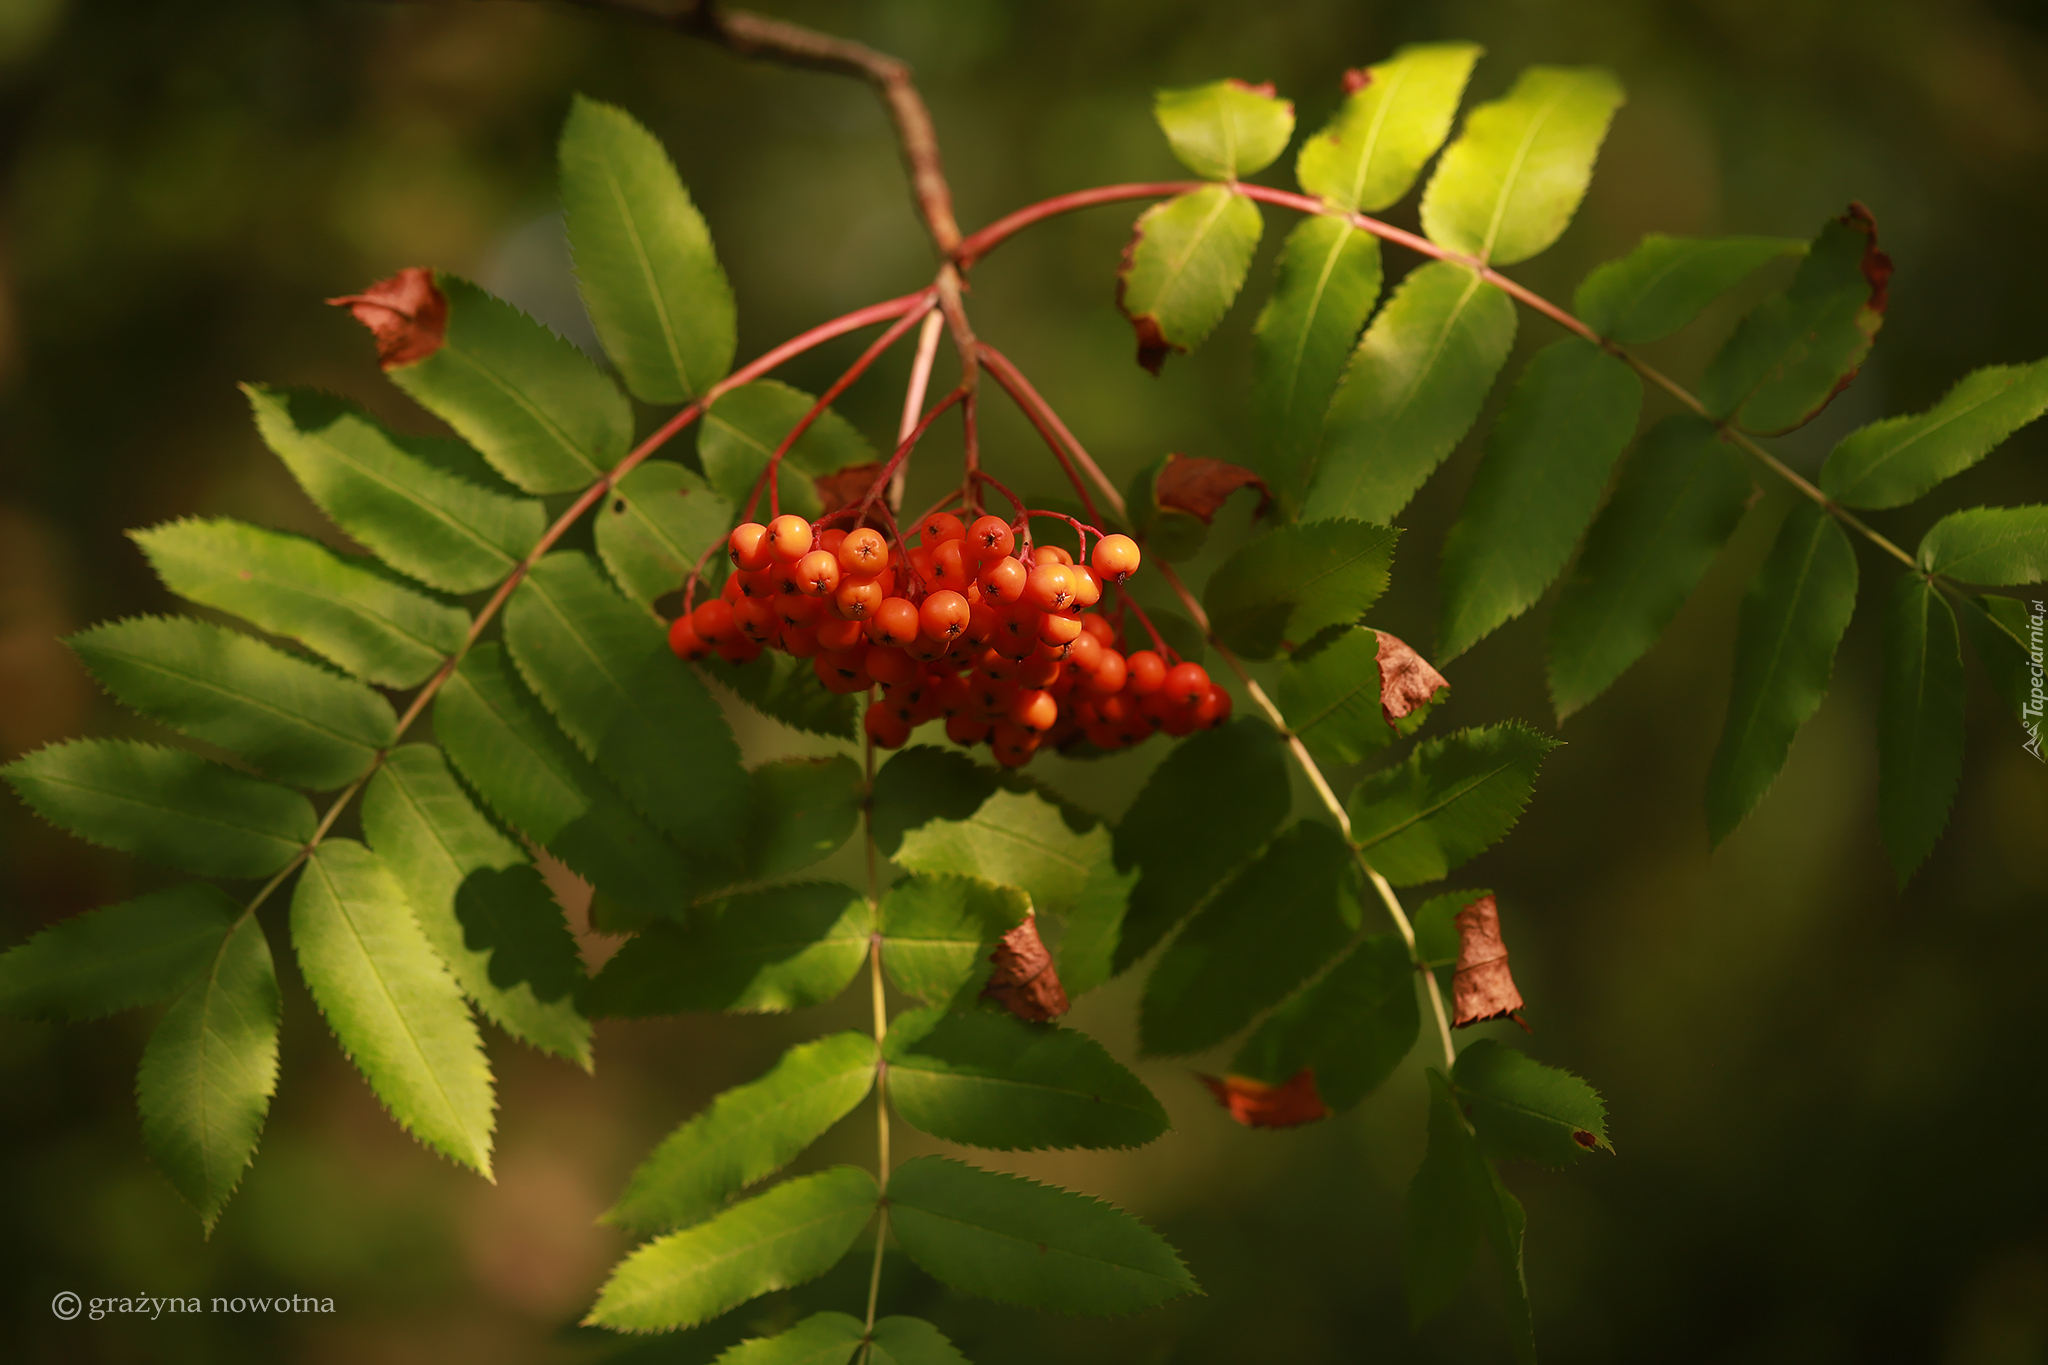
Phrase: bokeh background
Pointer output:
(1826, 1093)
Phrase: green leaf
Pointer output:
(784, 948)
(1792, 618)
(1329, 277)
(1283, 587)
(479, 900)
(656, 294)
(988, 1079)
(1526, 1111)
(503, 743)
(1369, 153)
(1451, 799)
(1212, 803)
(1015, 1241)
(606, 673)
(1225, 130)
(296, 721)
(801, 810)
(924, 783)
(339, 607)
(1566, 422)
(1793, 353)
(793, 1233)
(1185, 262)
(742, 429)
(1412, 390)
(166, 805)
(209, 1070)
(1093, 930)
(1679, 498)
(912, 1341)
(1455, 1202)
(118, 956)
(937, 930)
(1900, 459)
(655, 526)
(1351, 1027)
(1920, 722)
(1509, 185)
(1262, 934)
(1015, 839)
(447, 531)
(1666, 282)
(2005, 633)
(820, 1339)
(539, 410)
(787, 690)
(1436, 926)
(1331, 698)
(1996, 546)
(393, 1007)
(748, 1134)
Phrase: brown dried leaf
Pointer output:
(407, 315)
(1482, 987)
(1200, 485)
(847, 486)
(1256, 1104)
(1407, 682)
(1025, 982)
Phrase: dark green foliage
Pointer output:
(1666, 282)
(1351, 1027)
(1283, 588)
(787, 690)
(1995, 546)
(1456, 1202)
(1524, 1110)
(1451, 799)
(118, 956)
(654, 526)
(937, 930)
(800, 810)
(1920, 721)
(1331, 697)
(744, 427)
(1014, 838)
(924, 783)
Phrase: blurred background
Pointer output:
(1826, 1093)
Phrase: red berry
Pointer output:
(713, 621)
(864, 551)
(1109, 673)
(798, 642)
(1115, 558)
(1049, 588)
(949, 567)
(837, 634)
(990, 538)
(755, 619)
(885, 727)
(1002, 581)
(748, 546)
(981, 622)
(1186, 685)
(1084, 652)
(939, 527)
(789, 536)
(1054, 629)
(925, 649)
(857, 598)
(944, 615)
(886, 665)
(684, 640)
(1101, 629)
(1034, 707)
(1087, 586)
(817, 574)
(842, 671)
(1147, 672)
(1036, 672)
(1050, 554)
(962, 729)
(739, 650)
(798, 611)
(1215, 708)
(894, 622)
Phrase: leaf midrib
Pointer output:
(646, 264)
(1514, 169)
(1037, 1246)
(1451, 797)
(133, 800)
(1878, 461)
(251, 699)
(498, 555)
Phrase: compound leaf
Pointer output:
(782, 948)
(1666, 282)
(393, 1007)
(1283, 587)
(741, 430)
(1523, 1110)
(1395, 116)
(1014, 839)
(936, 931)
(118, 956)
(656, 294)
(447, 531)
(748, 1133)
(793, 1233)
(1920, 722)
(339, 607)
(1412, 389)
(293, 719)
(1567, 420)
(1450, 800)
(210, 1068)
(166, 805)
(1995, 546)
(1510, 184)
(1792, 618)
(1094, 929)
(1899, 459)
(1329, 277)
(988, 1079)
(1013, 1240)
(655, 524)
(820, 1339)
(1679, 498)
(1183, 267)
(1350, 1028)
(1261, 935)
(912, 1341)
(1225, 130)
(1213, 802)
(479, 900)
(535, 406)
(801, 810)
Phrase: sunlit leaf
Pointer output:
(1227, 129)
(1666, 282)
(1183, 267)
(1453, 798)
(1395, 115)
(118, 956)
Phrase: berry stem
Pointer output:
(881, 1026)
(1054, 431)
(909, 443)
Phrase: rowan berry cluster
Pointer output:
(1003, 643)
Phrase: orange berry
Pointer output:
(838, 633)
(798, 611)
(920, 557)
(1054, 629)
(1215, 708)
(713, 621)
(1117, 709)
(1085, 652)
(885, 727)
(864, 551)
(1101, 629)
(748, 546)
(1038, 673)
(684, 640)
(940, 527)
(1049, 588)
(981, 622)
(990, 538)
(857, 598)
(948, 568)
(1034, 707)
(1109, 674)
(1087, 585)
(789, 536)
(739, 650)
(944, 615)
(1002, 581)
(926, 650)
(965, 730)
(1115, 558)
(1050, 554)
(1147, 672)
(886, 665)
(830, 541)
(894, 622)
(817, 574)
(730, 589)
(755, 619)
(1186, 685)
(1013, 744)
(799, 642)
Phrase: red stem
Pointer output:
(1125, 599)
(903, 450)
(1048, 423)
(1010, 224)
